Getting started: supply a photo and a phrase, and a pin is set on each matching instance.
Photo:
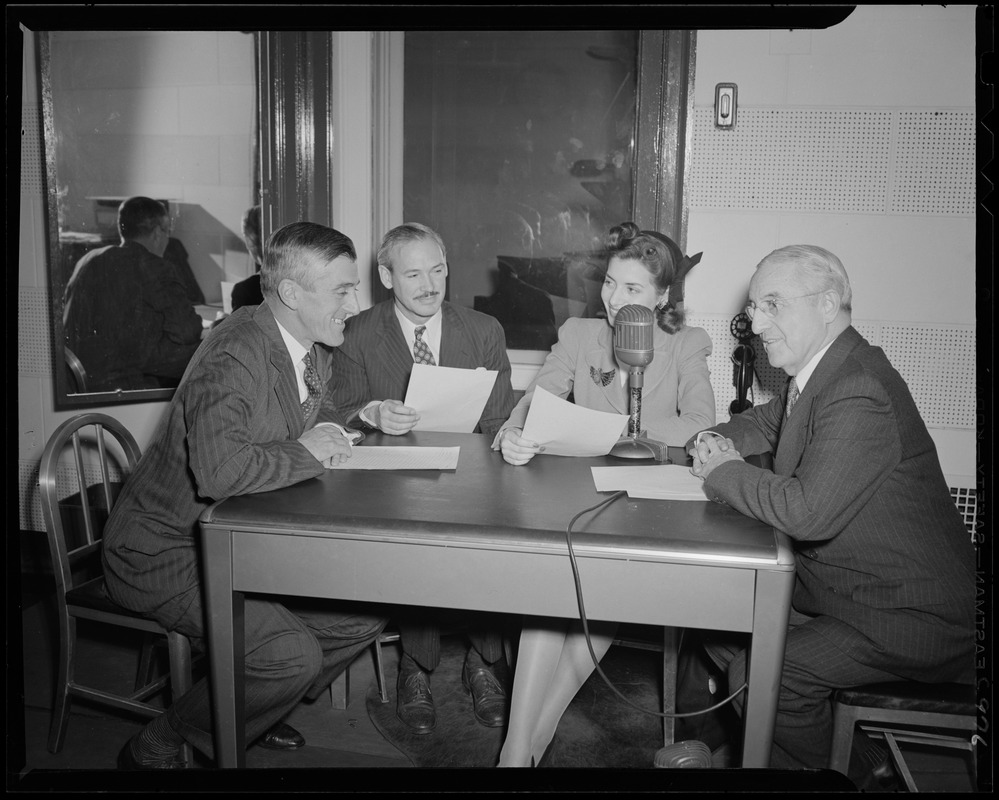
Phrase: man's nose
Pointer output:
(760, 322)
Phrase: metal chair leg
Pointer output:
(144, 673)
(380, 671)
(61, 701)
(179, 649)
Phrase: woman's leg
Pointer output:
(538, 655)
(574, 667)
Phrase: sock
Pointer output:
(410, 664)
(474, 658)
(157, 741)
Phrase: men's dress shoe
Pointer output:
(128, 762)
(489, 700)
(415, 703)
(282, 737)
(871, 768)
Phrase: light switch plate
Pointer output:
(726, 104)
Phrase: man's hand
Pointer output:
(710, 451)
(516, 449)
(392, 416)
(327, 444)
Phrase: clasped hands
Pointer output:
(709, 450)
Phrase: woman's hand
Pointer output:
(516, 449)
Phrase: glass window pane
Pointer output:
(518, 150)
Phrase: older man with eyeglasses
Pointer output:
(885, 568)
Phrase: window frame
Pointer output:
(298, 180)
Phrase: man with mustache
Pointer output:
(371, 372)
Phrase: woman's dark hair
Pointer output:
(663, 259)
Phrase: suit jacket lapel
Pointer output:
(794, 429)
(655, 372)
(453, 338)
(391, 345)
(283, 380)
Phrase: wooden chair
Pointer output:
(936, 715)
(74, 528)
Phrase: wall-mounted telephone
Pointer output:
(743, 357)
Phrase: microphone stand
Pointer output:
(636, 444)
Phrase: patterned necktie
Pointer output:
(313, 384)
(421, 353)
(792, 397)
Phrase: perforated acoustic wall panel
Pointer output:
(934, 164)
(937, 363)
(32, 159)
(806, 160)
(839, 160)
(34, 337)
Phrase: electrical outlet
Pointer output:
(725, 104)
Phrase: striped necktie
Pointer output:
(792, 396)
(421, 353)
(313, 384)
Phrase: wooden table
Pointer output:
(489, 536)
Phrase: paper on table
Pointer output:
(664, 482)
(372, 457)
(565, 429)
(448, 398)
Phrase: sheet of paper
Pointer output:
(449, 399)
(372, 457)
(661, 482)
(565, 429)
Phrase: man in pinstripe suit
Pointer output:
(884, 566)
(243, 420)
(371, 373)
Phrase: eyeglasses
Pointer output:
(772, 305)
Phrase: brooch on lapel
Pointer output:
(601, 378)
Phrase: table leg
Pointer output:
(671, 639)
(764, 665)
(224, 624)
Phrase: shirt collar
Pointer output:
(802, 377)
(433, 325)
(295, 348)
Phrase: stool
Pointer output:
(934, 714)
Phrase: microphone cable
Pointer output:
(586, 629)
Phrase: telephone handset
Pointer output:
(743, 357)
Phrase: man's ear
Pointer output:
(386, 275)
(287, 292)
(831, 303)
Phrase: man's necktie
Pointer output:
(792, 397)
(421, 353)
(313, 384)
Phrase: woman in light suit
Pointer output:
(644, 268)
